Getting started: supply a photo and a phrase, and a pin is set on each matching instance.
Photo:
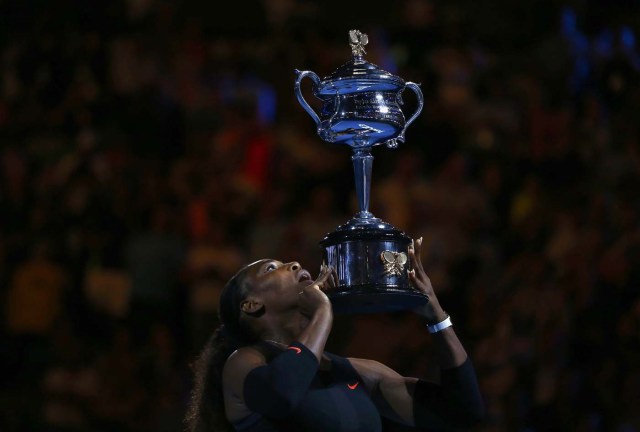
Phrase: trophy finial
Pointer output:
(357, 41)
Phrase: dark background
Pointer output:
(150, 148)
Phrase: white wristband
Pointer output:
(435, 328)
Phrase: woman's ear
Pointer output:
(252, 307)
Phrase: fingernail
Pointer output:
(420, 240)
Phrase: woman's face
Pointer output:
(275, 284)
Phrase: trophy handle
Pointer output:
(316, 81)
(418, 92)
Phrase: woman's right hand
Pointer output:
(315, 305)
(312, 298)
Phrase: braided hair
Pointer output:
(206, 410)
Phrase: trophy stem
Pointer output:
(362, 165)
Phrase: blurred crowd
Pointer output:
(150, 148)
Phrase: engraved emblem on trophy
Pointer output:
(361, 108)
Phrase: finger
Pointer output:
(326, 272)
(413, 279)
(323, 276)
(334, 277)
(417, 283)
(418, 254)
(331, 280)
(416, 263)
(323, 271)
(412, 255)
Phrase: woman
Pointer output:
(265, 368)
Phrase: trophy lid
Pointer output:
(358, 75)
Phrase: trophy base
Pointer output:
(366, 299)
(371, 259)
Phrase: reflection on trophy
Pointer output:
(361, 108)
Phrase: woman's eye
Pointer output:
(270, 267)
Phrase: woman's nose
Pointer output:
(294, 266)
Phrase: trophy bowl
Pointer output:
(361, 108)
(360, 102)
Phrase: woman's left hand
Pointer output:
(432, 311)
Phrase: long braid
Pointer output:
(206, 411)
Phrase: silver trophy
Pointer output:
(361, 108)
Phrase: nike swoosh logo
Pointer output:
(296, 349)
(353, 386)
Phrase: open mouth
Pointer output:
(304, 276)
